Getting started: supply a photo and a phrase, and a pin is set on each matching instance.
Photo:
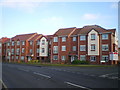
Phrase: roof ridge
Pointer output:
(72, 32)
(67, 28)
(32, 36)
(40, 35)
(26, 34)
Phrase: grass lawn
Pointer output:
(72, 65)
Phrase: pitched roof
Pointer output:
(64, 31)
(111, 30)
(49, 37)
(36, 37)
(88, 28)
(23, 37)
(4, 39)
(76, 31)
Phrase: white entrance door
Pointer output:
(29, 58)
(72, 58)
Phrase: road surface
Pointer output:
(26, 76)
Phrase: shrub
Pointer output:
(33, 61)
(80, 62)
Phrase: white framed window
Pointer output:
(104, 36)
(38, 50)
(0, 44)
(74, 38)
(22, 57)
(104, 58)
(63, 57)
(17, 51)
(31, 50)
(92, 47)
(23, 42)
(105, 47)
(74, 48)
(55, 49)
(92, 36)
(18, 42)
(82, 47)
(12, 43)
(55, 57)
(92, 58)
(55, 39)
(82, 37)
(43, 50)
(63, 48)
(23, 50)
(63, 39)
(31, 42)
(8, 44)
(12, 51)
(16, 57)
(43, 42)
(38, 42)
(82, 57)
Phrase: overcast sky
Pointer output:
(47, 17)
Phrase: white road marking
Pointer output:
(106, 75)
(113, 77)
(109, 77)
(23, 69)
(77, 85)
(42, 75)
(4, 85)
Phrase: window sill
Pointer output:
(92, 50)
(104, 39)
(92, 60)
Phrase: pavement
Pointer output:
(88, 78)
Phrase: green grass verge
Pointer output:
(69, 65)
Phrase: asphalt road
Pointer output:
(25, 76)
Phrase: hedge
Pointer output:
(80, 62)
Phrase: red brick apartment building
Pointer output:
(119, 54)
(91, 43)
(26, 47)
(2, 47)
